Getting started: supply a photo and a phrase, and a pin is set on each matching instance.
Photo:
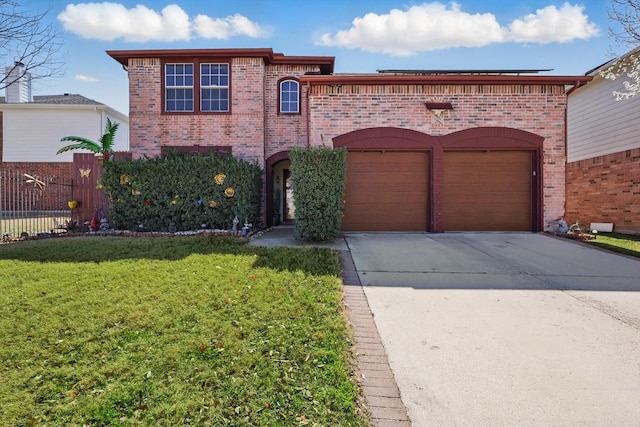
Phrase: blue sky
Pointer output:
(569, 37)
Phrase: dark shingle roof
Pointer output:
(66, 99)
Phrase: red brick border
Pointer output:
(378, 383)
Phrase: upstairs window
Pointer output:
(178, 84)
(289, 97)
(214, 87)
(197, 87)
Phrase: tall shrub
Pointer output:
(318, 176)
(182, 192)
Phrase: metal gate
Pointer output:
(32, 204)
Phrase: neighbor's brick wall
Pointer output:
(605, 189)
(540, 109)
(243, 129)
(56, 176)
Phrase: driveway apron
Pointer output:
(505, 329)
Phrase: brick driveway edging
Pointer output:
(378, 383)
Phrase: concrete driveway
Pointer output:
(505, 329)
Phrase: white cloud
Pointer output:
(84, 78)
(110, 21)
(553, 25)
(433, 26)
(224, 28)
(421, 28)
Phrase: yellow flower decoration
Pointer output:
(229, 192)
(212, 203)
(135, 192)
(72, 204)
(220, 178)
(124, 179)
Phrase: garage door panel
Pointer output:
(365, 161)
(487, 191)
(405, 198)
(389, 183)
(386, 191)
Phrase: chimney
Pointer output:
(18, 84)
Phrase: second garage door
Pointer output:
(487, 191)
(386, 191)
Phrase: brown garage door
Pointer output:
(386, 191)
(487, 191)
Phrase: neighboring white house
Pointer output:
(33, 125)
(603, 153)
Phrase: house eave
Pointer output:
(375, 79)
(86, 107)
(326, 63)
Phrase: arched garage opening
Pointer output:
(479, 179)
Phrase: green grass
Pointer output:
(163, 331)
(622, 243)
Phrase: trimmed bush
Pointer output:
(182, 192)
(318, 176)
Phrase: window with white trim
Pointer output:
(289, 96)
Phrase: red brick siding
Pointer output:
(605, 189)
(284, 131)
(243, 129)
(256, 131)
(539, 109)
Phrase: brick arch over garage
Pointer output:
(461, 146)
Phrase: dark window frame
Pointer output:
(289, 113)
(182, 76)
(197, 89)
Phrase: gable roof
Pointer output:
(610, 62)
(65, 99)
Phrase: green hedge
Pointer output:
(318, 178)
(182, 192)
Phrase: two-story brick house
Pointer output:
(427, 150)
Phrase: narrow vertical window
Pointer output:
(178, 84)
(214, 87)
(289, 96)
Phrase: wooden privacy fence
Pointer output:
(87, 169)
(31, 204)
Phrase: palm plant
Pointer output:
(103, 146)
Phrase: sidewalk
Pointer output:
(377, 381)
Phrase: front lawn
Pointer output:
(167, 331)
(627, 244)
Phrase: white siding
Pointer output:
(597, 124)
(32, 134)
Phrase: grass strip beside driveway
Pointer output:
(172, 331)
(628, 244)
